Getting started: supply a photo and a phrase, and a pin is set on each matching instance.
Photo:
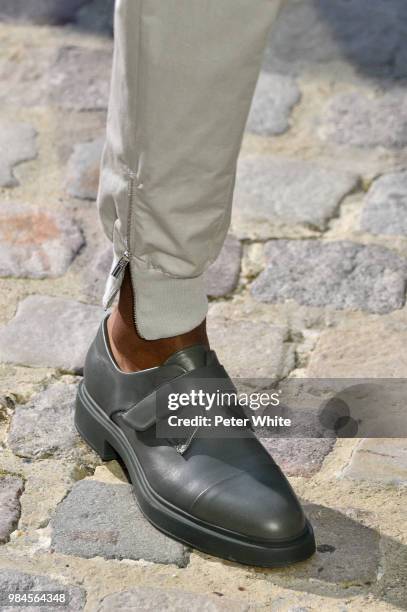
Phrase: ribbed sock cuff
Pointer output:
(166, 306)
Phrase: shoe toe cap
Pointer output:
(243, 504)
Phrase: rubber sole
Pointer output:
(107, 439)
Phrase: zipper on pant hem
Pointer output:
(130, 192)
(125, 258)
(121, 264)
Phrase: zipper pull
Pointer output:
(121, 264)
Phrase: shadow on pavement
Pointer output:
(369, 34)
(90, 15)
(351, 559)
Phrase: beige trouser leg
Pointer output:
(183, 78)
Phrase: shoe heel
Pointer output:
(92, 431)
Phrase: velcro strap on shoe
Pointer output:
(154, 406)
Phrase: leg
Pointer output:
(183, 79)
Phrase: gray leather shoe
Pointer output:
(224, 496)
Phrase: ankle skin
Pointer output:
(133, 353)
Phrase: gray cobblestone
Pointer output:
(83, 170)
(98, 519)
(79, 78)
(25, 73)
(95, 274)
(275, 97)
(299, 456)
(44, 426)
(11, 488)
(223, 275)
(70, 77)
(385, 206)
(251, 349)
(356, 119)
(12, 580)
(342, 275)
(18, 144)
(29, 339)
(273, 191)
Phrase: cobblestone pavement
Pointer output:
(312, 281)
